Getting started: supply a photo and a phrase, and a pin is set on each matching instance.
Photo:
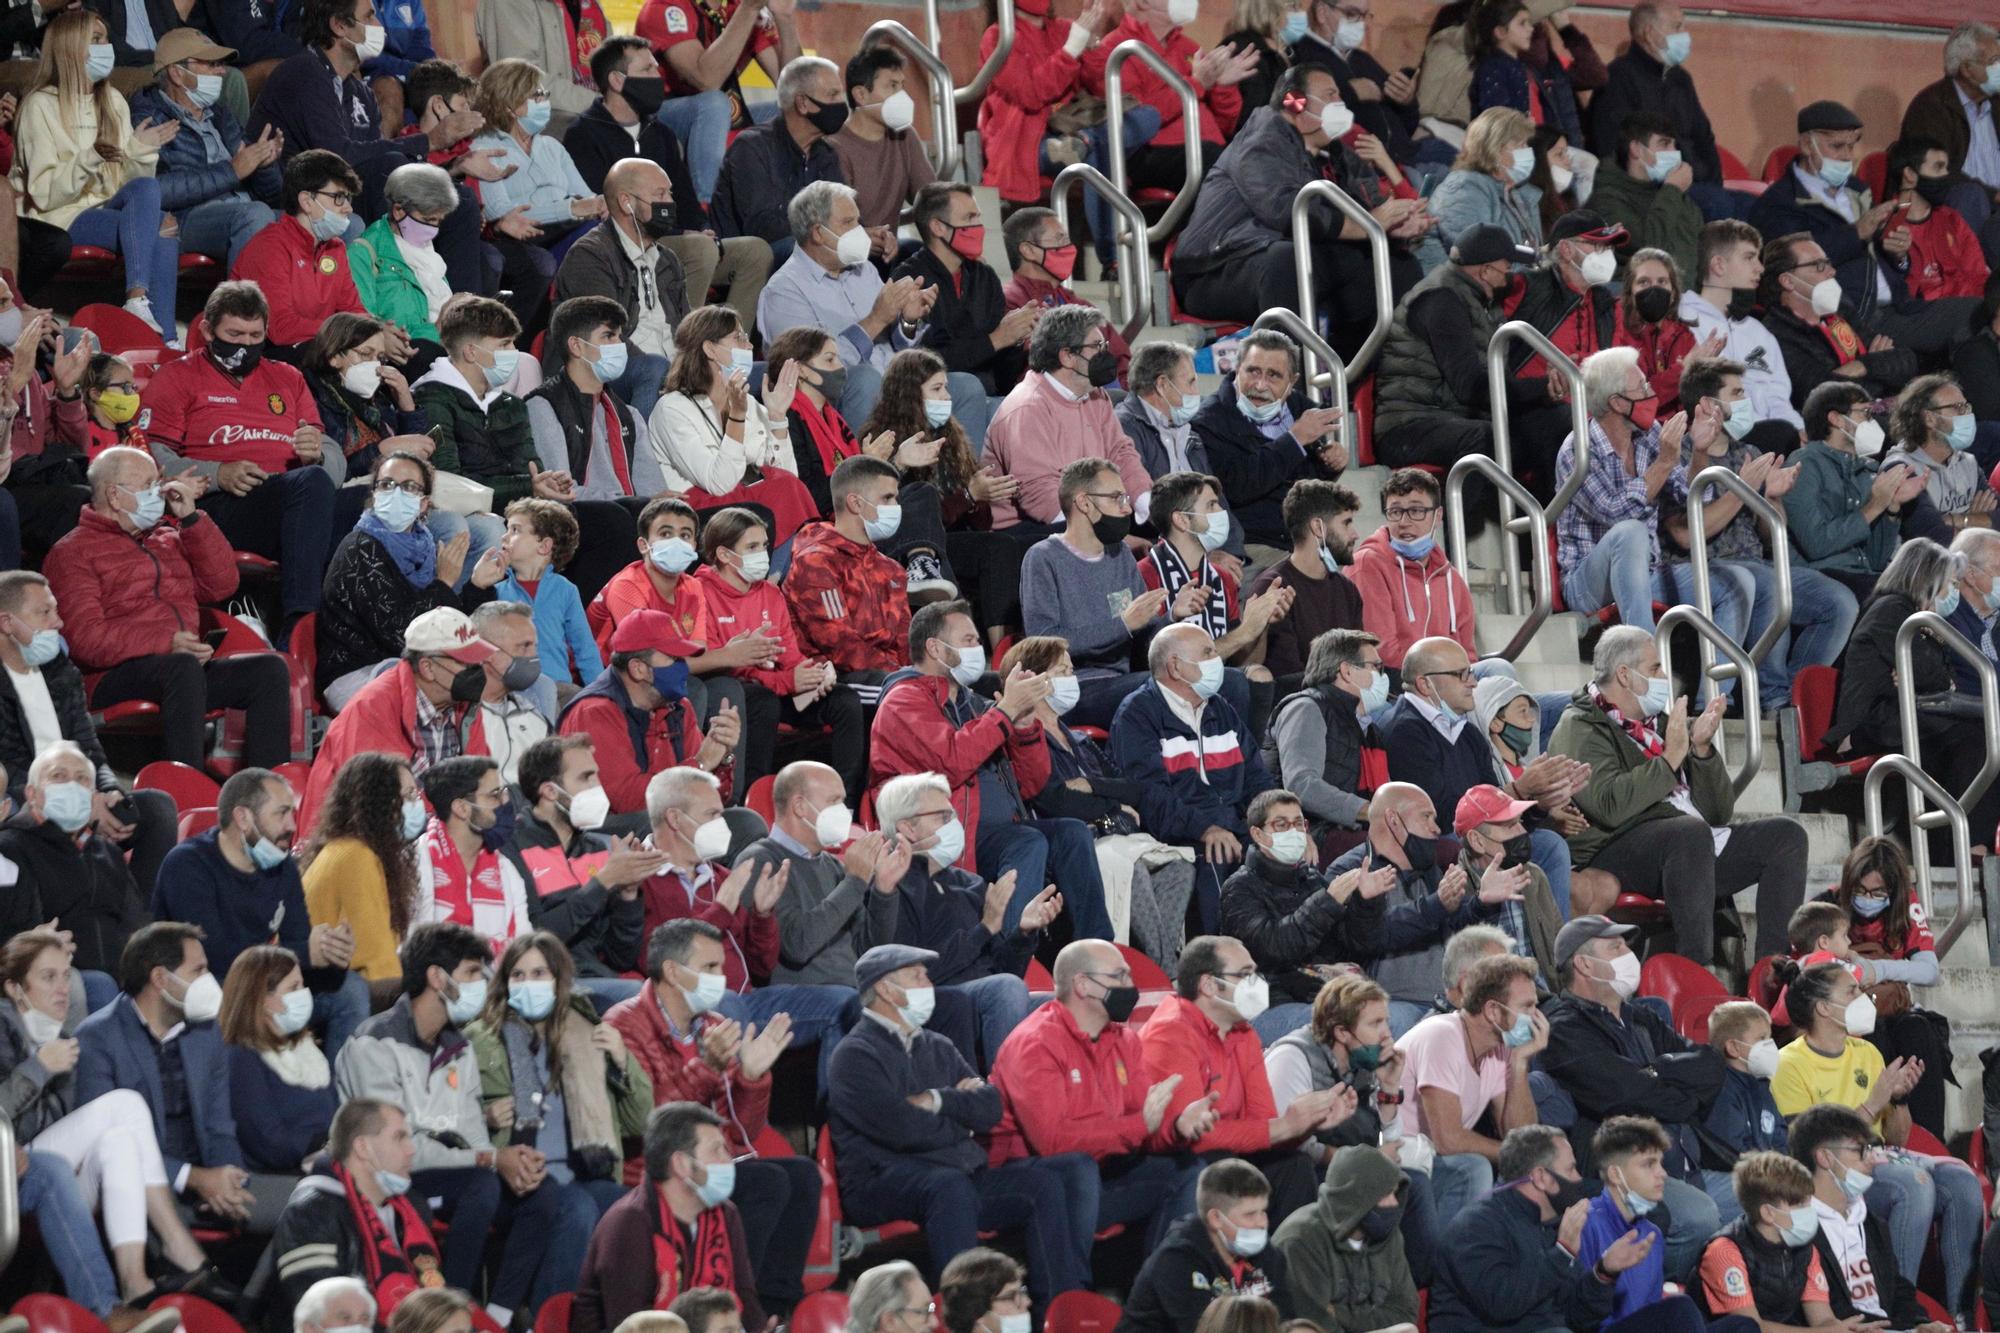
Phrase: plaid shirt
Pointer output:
(1742, 538)
(1610, 495)
(438, 732)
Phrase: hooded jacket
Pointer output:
(485, 437)
(1490, 698)
(1185, 1275)
(1339, 1280)
(1403, 600)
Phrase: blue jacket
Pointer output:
(408, 44)
(1420, 755)
(1153, 747)
(186, 175)
(315, 109)
(291, 1121)
(1967, 622)
(1500, 1270)
(562, 635)
(1787, 206)
(237, 910)
(1642, 1283)
(118, 1051)
(1743, 1118)
(942, 911)
(869, 1082)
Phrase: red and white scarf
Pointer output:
(464, 896)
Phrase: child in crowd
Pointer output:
(1630, 1151)
(1754, 1266)
(1743, 1118)
(541, 538)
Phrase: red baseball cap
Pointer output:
(446, 631)
(1486, 804)
(653, 632)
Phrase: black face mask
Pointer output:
(1420, 852)
(1933, 189)
(832, 384)
(1378, 1224)
(829, 116)
(659, 223)
(1111, 529)
(1654, 303)
(237, 359)
(1568, 1193)
(468, 684)
(1120, 1001)
(1103, 368)
(1742, 302)
(645, 95)
(1516, 851)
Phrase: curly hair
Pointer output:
(1906, 420)
(365, 803)
(900, 411)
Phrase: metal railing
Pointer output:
(1310, 343)
(1919, 785)
(1541, 575)
(1378, 255)
(1503, 440)
(1135, 298)
(10, 1195)
(1114, 124)
(1002, 48)
(1745, 671)
(1724, 478)
(943, 148)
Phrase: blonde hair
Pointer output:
(1735, 1021)
(1491, 138)
(64, 73)
(652, 1321)
(1261, 16)
(505, 85)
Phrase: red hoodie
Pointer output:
(730, 613)
(1065, 1092)
(1405, 600)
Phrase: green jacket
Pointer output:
(1339, 1280)
(1627, 788)
(493, 447)
(388, 288)
(1659, 216)
(629, 1104)
(1823, 513)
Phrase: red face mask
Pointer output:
(1645, 411)
(969, 241)
(1035, 8)
(1059, 260)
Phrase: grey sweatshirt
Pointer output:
(826, 917)
(1080, 600)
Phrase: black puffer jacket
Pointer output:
(1288, 921)
(17, 743)
(87, 889)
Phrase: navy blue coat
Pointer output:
(186, 175)
(118, 1051)
(869, 1084)
(1500, 1270)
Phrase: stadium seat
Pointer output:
(1220, 328)
(1098, 734)
(91, 261)
(297, 772)
(1374, 770)
(1677, 981)
(118, 330)
(1038, 977)
(553, 1317)
(758, 798)
(1082, 1312)
(1805, 763)
(829, 1170)
(1781, 157)
(1873, 172)
(196, 821)
(47, 1313)
(821, 1312)
(1146, 973)
(1691, 1016)
(1736, 176)
(237, 636)
(190, 787)
(770, 1143)
(1923, 1141)
(198, 1315)
(303, 647)
(483, 1322)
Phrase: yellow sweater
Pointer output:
(345, 883)
(57, 169)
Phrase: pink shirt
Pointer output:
(1038, 431)
(1434, 1056)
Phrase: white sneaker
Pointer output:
(139, 308)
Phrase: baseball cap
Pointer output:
(1584, 225)
(188, 44)
(1485, 243)
(652, 631)
(1582, 931)
(446, 631)
(1486, 804)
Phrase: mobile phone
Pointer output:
(215, 637)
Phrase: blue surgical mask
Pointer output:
(329, 226)
(391, 1183)
(937, 411)
(471, 999)
(1834, 171)
(1742, 418)
(1664, 164)
(883, 526)
(415, 819)
(1184, 410)
(721, 1183)
(949, 847)
(1521, 1032)
(1659, 696)
(1214, 530)
(66, 805)
(207, 89)
(1417, 548)
(42, 649)
(1949, 602)
(1210, 680)
(674, 555)
(397, 510)
(1854, 1182)
(1869, 906)
(740, 360)
(149, 507)
(536, 118)
(1802, 1227)
(671, 681)
(1377, 692)
(1295, 27)
(1991, 84)
(611, 361)
(532, 1000)
(1261, 413)
(297, 1011)
(1637, 1204)
(1064, 692)
(97, 65)
(1963, 427)
(505, 361)
(1326, 558)
(1678, 46)
(265, 854)
(1523, 165)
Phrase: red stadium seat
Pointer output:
(1781, 157)
(1038, 977)
(1222, 328)
(237, 637)
(483, 1322)
(252, 566)
(297, 772)
(190, 787)
(198, 1315)
(1735, 175)
(1374, 770)
(118, 330)
(47, 1313)
(1691, 1018)
(196, 821)
(553, 1317)
(1098, 734)
(1873, 171)
(830, 1172)
(1146, 973)
(770, 1143)
(758, 798)
(1082, 1312)
(90, 261)
(1814, 692)
(1923, 1141)
(1677, 980)
(821, 1312)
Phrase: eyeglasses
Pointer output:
(924, 1311)
(1957, 409)
(385, 487)
(1015, 1296)
(539, 95)
(1463, 677)
(1115, 499)
(1092, 349)
(338, 198)
(1812, 265)
(1243, 974)
(1408, 514)
(1122, 977)
(1287, 825)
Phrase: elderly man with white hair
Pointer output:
(69, 871)
(1956, 113)
(333, 1304)
(889, 1298)
(1660, 802)
(768, 164)
(1608, 539)
(1978, 608)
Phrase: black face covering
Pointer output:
(1420, 852)
(1103, 368)
(237, 359)
(645, 95)
(468, 684)
(827, 117)
(1111, 529)
(1933, 189)
(1120, 1001)
(1516, 851)
(1568, 1193)
(1378, 1224)
(1653, 304)
(521, 673)
(659, 224)
(1742, 301)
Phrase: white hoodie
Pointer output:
(1765, 379)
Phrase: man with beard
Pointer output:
(1319, 518)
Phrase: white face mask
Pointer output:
(374, 38)
(1867, 438)
(1562, 177)
(1335, 120)
(41, 1028)
(1180, 13)
(1598, 267)
(362, 378)
(589, 808)
(1826, 296)
(1252, 998)
(1064, 691)
(1624, 980)
(709, 988)
(1859, 1016)
(1288, 846)
(832, 825)
(201, 1001)
(898, 110)
(1763, 1059)
(918, 1004)
(852, 247)
(711, 840)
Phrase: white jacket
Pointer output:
(57, 169)
(1765, 379)
(686, 447)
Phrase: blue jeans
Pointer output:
(1045, 851)
(1618, 571)
(1140, 1187)
(341, 1011)
(1721, 1187)
(1142, 122)
(129, 224)
(1457, 1181)
(221, 228)
(1823, 614)
(546, 1233)
(1696, 1219)
(1911, 1191)
(49, 1193)
(287, 517)
(1279, 1020)
(1406, 1014)
(999, 1003)
(701, 122)
(818, 1013)
(639, 386)
(1548, 850)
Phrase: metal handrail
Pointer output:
(10, 1195)
(1135, 298)
(1004, 20)
(1746, 674)
(1541, 576)
(1114, 124)
(1378, 259)
(1935, 625)
(1722, 477)
(943, 148)
(1917, 785)
(1310, 343)
(1503, 441)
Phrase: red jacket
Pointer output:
(381, 716)
(912, 734)
(1945, 258)
(632, 589)
(1067, 1093)
(1037, 77)
(306, 281)
(1180, 1039)
(126, 595)
(1663, 350)
(1220, 106)
(751, 938)
(731, 613)
(607, 721)
(848, 601)
(1405, 600)
(679, 1074)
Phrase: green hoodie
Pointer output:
(1340, 1281)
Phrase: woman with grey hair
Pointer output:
(889, 1298)
(1923, 577)
(397, 269)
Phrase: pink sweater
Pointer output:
(1038, 431)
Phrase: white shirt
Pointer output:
(1765, 379)
(650, 330)
(1847, 203)
(1850, 1251)
(1435, 716)
(37, 709)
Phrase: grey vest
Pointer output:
(1408, 384)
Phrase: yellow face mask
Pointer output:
(118, 406)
